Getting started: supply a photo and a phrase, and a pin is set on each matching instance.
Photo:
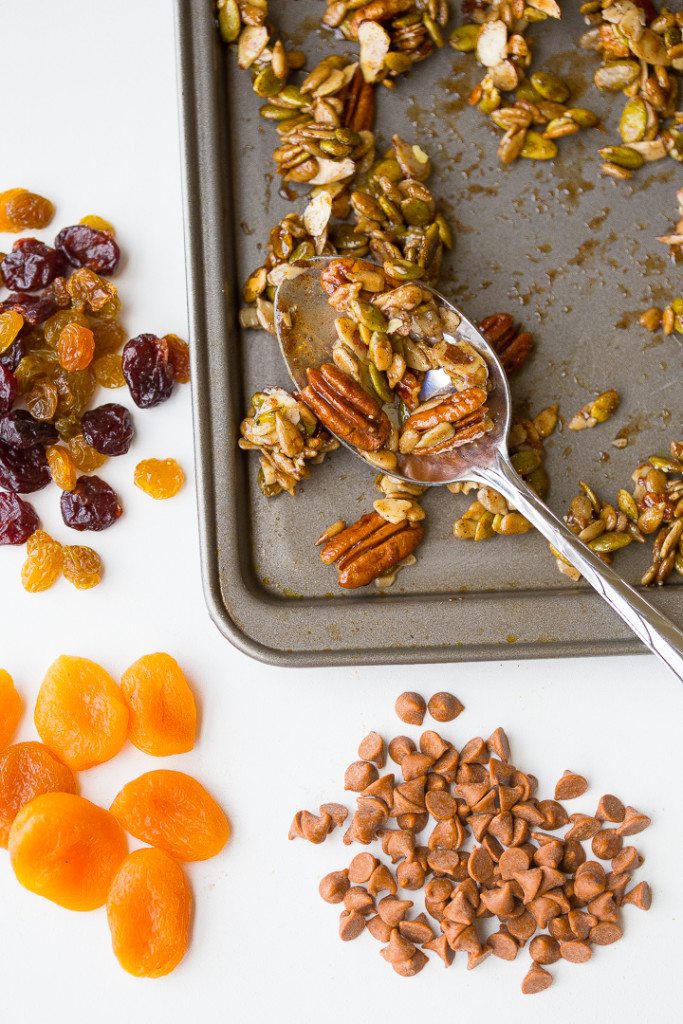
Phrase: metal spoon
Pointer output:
(305, 326)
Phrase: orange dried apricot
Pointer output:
(172, 811)
(148, 910)
(11, 708)
(163, 714)
(160, 478)
(66, 849)
(28, 770)
(80, 713)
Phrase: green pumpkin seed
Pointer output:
(464, 38)
(366, 206)
(272, 113)
(292, 97)
(369, 315)
(304, 251)
(255, 285)
(403, 270)
(610, 542)
(633, 121)
(538, 481)
(537, 148)
(490, 101)
(666, 465)
(398, 63)
(549, 86)
(616, 74)
(677, 306)
(429, 246)
(604, 405)
(526, 91)
(583, 117)
(622, 156)
(267, 83)
(379, 383)
(388, 168)
(335, 148)
(415, 212)
(391, 211)
(627, 504)
(433, 30)
(229, 22)
(526, 461)
(445, 231)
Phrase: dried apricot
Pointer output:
(80, 713)
(66, 849)
(75, 347)
(148, 910)
(11, 708)
(172, 811)
(43, 565)
(163, 715)
(28, 770)
(160, 478)
(82, 566)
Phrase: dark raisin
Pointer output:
(148, 370)
(19, 429)
(13, 355)
(18, 519)
(8, 389)
(108, 429)
(33, 308)
(31, 265)
(87, 247)
(92, 505)
(23, 469)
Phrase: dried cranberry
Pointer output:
(87, 247)
(23, 469)
(18, 429)
(33, 308)
(92, 505)
(13, 355)
(18, 519)
(148, 371)
(31, 265)
(8, 389)
(108, 429)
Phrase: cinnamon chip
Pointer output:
(333, 887)
(411, 708)
(536, 980)
(610, 808)
(502, 945)
(633, 823)
(570, 786)
(640, 896)
(378, 928)
(605, 933)
(399, 747)
(628, 859)
(372, 749)
(575, 951)
(444, 707)
(544, 949)
(350, 925)
(361, 867)
(498, 744)
(359, 776)
(607, 844)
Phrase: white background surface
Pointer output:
(90, 120)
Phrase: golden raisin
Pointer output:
(75, 347)
(28, 770)
(160, 478)
(62, 468)
(84, 455)
(82, 566)
(27, 210)
(42, 400)
(11, 709)
(148, 910)
(5, 198)
(163, 715)
(108, 370)
(89, 289)
(172, 811)
(55, 324)
(43, 565)
(179, 357)
(11, 323)
(91, 220)
(80, 713)
(109, 335)
(66, 849)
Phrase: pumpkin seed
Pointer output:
(526, 461)
(464, 38)
(416, 212)
(229, 22)
(622, 156)
(584, 118)
(666, 465)
(267, 83)
(403, 270)
(549, 86)
(608, 542)
(537, 148)
(616, 74)
(633, 122)
(379, 383)
(398, 63)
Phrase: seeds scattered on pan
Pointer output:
(492, 851)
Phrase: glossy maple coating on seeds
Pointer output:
(163, 714)
(160, 478)
(11, 710)
(91, 505)
(172, 811)
(80, 713)
(148, 370)
(84, 246)
(18, 519)
(28, 770)
(23, 470)
(31, 265)
(67, 849)
(148, 910)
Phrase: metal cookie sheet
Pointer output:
(573, 254)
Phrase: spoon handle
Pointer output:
(652, 627)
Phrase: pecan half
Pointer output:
(377, 10)
(345, 408)
(439, 426)
(408, 388)
(369, 547)
(453, 409)
(359, 105)
(511, 344)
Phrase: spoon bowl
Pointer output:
(304, 321)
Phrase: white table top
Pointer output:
(96, 130)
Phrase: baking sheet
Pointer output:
(569, 252)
